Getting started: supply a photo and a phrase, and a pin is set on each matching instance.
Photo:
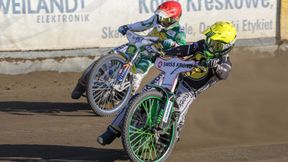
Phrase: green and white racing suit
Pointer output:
(173, 33)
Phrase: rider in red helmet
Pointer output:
(165, 17)
(163, 24)
(168, 13)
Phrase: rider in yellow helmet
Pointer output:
(220, 38)
(212, 53)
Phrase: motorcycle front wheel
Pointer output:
(140, 137)
(102, 97)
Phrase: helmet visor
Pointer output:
(216, 46)
(165, 22)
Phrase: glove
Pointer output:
(123, 29)
(169, 43)
(213, 63)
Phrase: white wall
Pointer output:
(69, 24)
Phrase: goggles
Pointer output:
(165, 21)
(217, 46)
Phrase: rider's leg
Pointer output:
(114, 129)
(109, 135)
(143, 67)
(80, 86)
(185, 95)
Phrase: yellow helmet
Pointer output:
(220, 37)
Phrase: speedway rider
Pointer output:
(163, 24)
(212, 53)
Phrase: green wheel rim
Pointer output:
(145, 143)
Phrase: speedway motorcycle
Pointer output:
(109, 86)
(149, 128)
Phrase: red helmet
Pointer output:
(168, 13)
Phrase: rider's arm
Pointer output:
(178, 51)
(180, 38)
(183, 50)
(142, 25)
(223, 68)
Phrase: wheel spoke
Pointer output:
(96, 94)
(140, 135)
(98, 98)
(102, 77)
(118, 97)
(146, 139)
(144, 148)
(140, 132)
(98, 85)
(118, 67)
(147, 147)
(136, 129)
(155, 151)
(137, 143)
(137, 152)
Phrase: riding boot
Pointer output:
(109, 135)
(78, 91)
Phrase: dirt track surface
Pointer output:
(242, 119)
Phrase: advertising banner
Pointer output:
(284, 19)
(69, 24)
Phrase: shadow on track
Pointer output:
(31, 108)
(59, 153)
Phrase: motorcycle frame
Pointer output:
(169, 91)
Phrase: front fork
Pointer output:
(166, 113)
(121, 82)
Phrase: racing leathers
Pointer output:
(171, 36)
(191, 84)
